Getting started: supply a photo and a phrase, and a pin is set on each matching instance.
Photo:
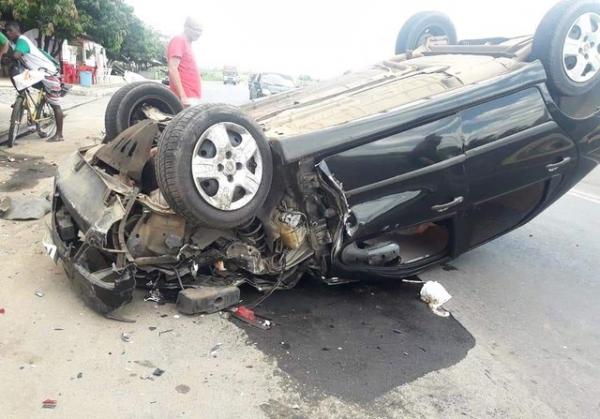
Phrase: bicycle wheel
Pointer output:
(16, 120)
(46, 123)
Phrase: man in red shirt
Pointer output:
(184, 76)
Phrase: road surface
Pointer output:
(523, 339)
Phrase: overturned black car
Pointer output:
(380, 173)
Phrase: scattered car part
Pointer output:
(435, 295)
(24, 208)
(567, 41)
(422, 25)
(204, 299)
(248, 316)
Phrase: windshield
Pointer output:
(277, 80)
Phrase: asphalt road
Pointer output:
(523, 339)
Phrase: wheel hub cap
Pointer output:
(227, 166)
(581, 50)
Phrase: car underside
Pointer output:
(381, 173)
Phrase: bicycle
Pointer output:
(35, 107)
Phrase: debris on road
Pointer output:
(126, 337)
(158, 372)
(435, 295)
(214, 350)
(145, 363)
(39, 293)
(79, 375)
(182, 388)
(2, 311)
(49, 404)
(248, 316)
(24, 208)
(152, 328)
(162, 332)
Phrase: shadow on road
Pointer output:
(357, 341)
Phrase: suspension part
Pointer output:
(253, 233)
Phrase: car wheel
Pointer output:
(214, 166)
(110, 115)
(421, 26)
(130, 110)
(567, 41)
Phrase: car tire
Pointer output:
(559, 27)
(213, 197)
(422, 25)
(110, 115)
(154, 94)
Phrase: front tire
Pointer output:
(16, 118)
(567, 41)
(214, 166)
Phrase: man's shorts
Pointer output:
(53, 88)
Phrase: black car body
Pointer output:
(380, 173)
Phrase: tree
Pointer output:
(110, 23)
(56, 20)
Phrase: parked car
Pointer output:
(381, 173)
(267, 84)
(230, 75)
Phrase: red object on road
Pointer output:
(245, 313)
(2, 311)
(49, 404)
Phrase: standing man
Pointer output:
(35, 59)
(184, 76)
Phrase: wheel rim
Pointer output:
(428, 33)
(581, 50)
(227, 166)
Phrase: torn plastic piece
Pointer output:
(49, 404)
(435, 295)
(247, 315)
(39, 293)
(126, 337)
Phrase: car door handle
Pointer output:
(445, 207)
(555, 166)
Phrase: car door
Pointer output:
(516, 156)
(403, 180)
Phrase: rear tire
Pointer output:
(552, 44)
(110, 115)
(422, 25)
(188, 192)
(154, 94)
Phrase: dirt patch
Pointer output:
(27, 171)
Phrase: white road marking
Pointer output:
(585, 196)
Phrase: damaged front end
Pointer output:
(114, 231)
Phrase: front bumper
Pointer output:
(80, 225)
(104, 290)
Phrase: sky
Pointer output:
(323, 38)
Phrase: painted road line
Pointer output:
(586, 196)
